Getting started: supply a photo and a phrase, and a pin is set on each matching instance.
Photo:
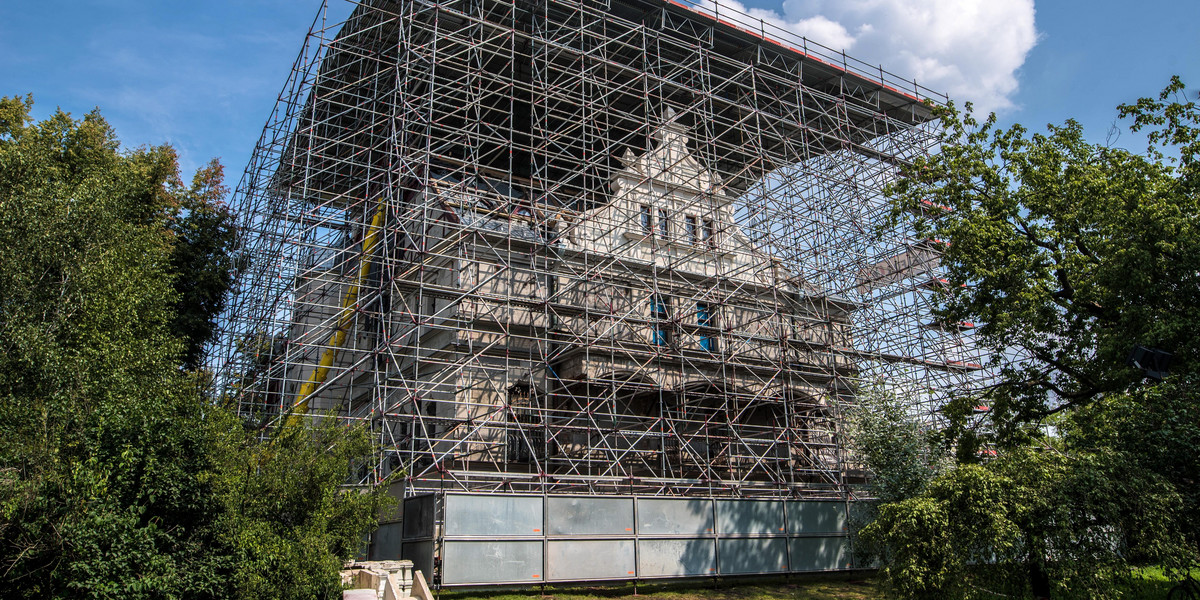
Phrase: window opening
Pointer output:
(705, 318)
(708, 234)
(658, 311)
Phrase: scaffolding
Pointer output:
(633, 247)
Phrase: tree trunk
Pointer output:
(1039, 581)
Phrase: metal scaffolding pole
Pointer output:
(628, 247)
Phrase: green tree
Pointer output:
(1067, 255)
(201, 259)
(1156, 430)
(902, 455)
(117, 478)
(1033, 522)
(285, 517)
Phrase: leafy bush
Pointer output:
(117, 478)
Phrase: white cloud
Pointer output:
(969, 49)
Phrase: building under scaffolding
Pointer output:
(610, 248)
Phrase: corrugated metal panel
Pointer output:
(750, 517)
(589, 516)
(753, 555)
(677, 557)
(493, 515)
(491, 562)
(568, 560)
(671, 516)
(816, 517)
(820, 553)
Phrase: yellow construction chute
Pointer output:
(345, 317)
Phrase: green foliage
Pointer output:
(1066, 253)
(902, 456)
(1070, 525)
(1156, 429)
(204, 236)
(286, 517)
(117, 478)
(934, 541)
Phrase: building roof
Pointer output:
(766, 99)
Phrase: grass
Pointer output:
(834, 586)
(1144, 584)
(1149, 583)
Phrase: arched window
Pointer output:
(761, 438)
(815, 445)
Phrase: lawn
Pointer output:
(1147, 584)
(835, 586)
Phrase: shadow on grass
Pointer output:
(815, 586)
(1143, 584)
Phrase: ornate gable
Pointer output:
(670, 163)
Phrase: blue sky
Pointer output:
(203, 76)
(1095, 54)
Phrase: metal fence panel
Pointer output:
(674, 516)
(752, 555)
(816, 517)
(421, 555)
(569, 560)
(820, 553)
(589, 516)
(491, 562)
(493, 515)
(385, 542)
(676, 557)
(688, 537)
(418, 517)
(750, 517)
